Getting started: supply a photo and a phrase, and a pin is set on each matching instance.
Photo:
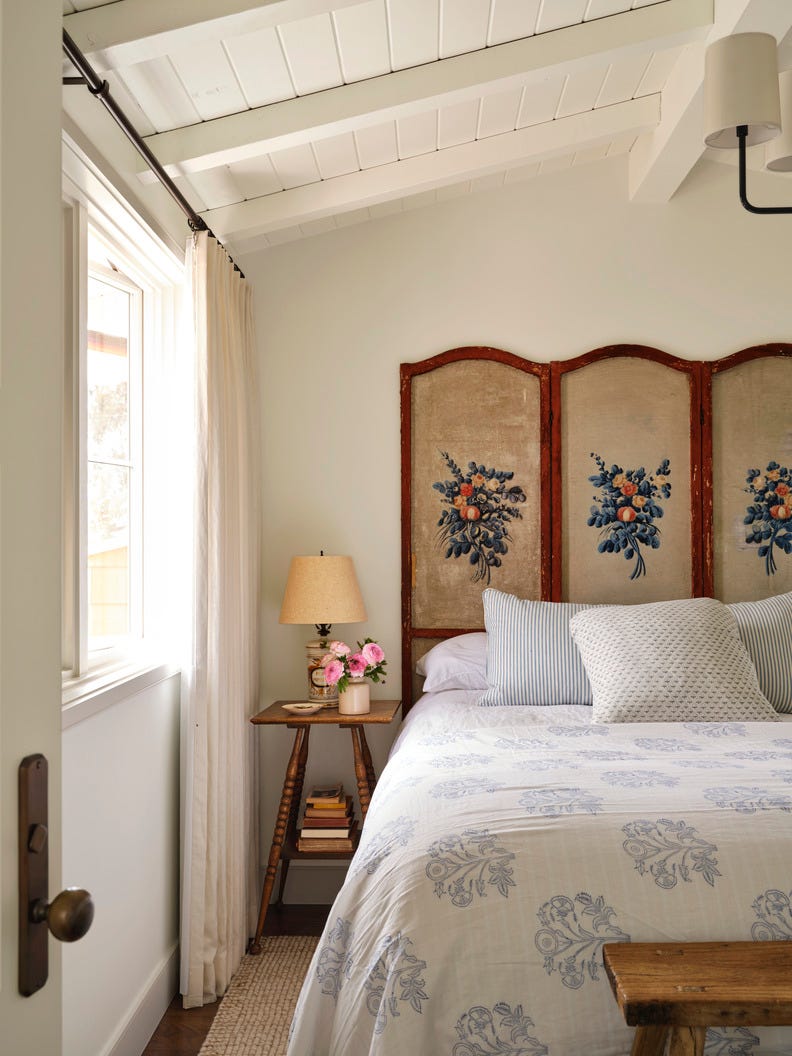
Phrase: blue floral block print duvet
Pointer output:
(505, 846)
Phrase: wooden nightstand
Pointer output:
(284, 838)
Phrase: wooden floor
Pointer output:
(182, 1032)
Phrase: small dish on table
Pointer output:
(308, 707)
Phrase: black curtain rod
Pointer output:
(101, 89)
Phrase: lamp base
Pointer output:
(318, 689)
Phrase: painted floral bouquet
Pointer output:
(627, 508)
(341, 665)
(481, 504)
(770, 512)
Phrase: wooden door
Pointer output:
(30, 496)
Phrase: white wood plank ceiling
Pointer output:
(285, 118)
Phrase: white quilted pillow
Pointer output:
(671, 661)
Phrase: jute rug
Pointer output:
(255, 1015)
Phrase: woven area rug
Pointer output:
(255, 1015)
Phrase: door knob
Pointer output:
(69, 915)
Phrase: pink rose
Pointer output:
(339, 648)
(373, 654)
(357, 665)
(333, 671)
(326, 659)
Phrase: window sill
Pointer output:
(88, 695)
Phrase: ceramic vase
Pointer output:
(354, 700)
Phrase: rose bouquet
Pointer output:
(341, 665)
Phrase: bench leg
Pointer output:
(687, 1041)
(649, 1041)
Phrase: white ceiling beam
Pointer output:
(130, 31)
(293, 122)
(235, 223)
(663, 157)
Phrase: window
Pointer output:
(114, 460)
(120, 470)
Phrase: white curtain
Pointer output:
(220, 680)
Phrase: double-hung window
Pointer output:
(120, 469)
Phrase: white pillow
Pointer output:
(670, 661)
(456, 663)
(766, 631)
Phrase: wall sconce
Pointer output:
(321, 590)
(742, 104)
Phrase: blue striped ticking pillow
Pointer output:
(531, 657)
(766, 631)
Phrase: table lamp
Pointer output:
(321, 590)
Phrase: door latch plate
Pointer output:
(33, 872)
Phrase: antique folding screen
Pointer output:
(670, 478)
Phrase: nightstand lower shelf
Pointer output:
(284, 838)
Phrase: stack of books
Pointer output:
(328, 823)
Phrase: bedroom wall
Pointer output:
(547, 269)
(121, 842)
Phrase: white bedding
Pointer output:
(504, 846)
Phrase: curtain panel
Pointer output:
(220, 688)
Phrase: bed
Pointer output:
(524, 819)
(504, 846)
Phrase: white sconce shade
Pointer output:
(741, 88)
(779, 151)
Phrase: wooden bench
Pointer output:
(672, 991)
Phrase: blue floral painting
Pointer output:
(626, 509)
(481, 504)
(769, 514)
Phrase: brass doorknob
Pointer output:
(69, 915)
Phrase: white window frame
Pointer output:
(149, 268)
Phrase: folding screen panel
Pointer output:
(476, 494)
(626, 476)
(748, 495)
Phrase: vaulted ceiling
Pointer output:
(285, 118)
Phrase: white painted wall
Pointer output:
(548, 269)
(121, 842)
